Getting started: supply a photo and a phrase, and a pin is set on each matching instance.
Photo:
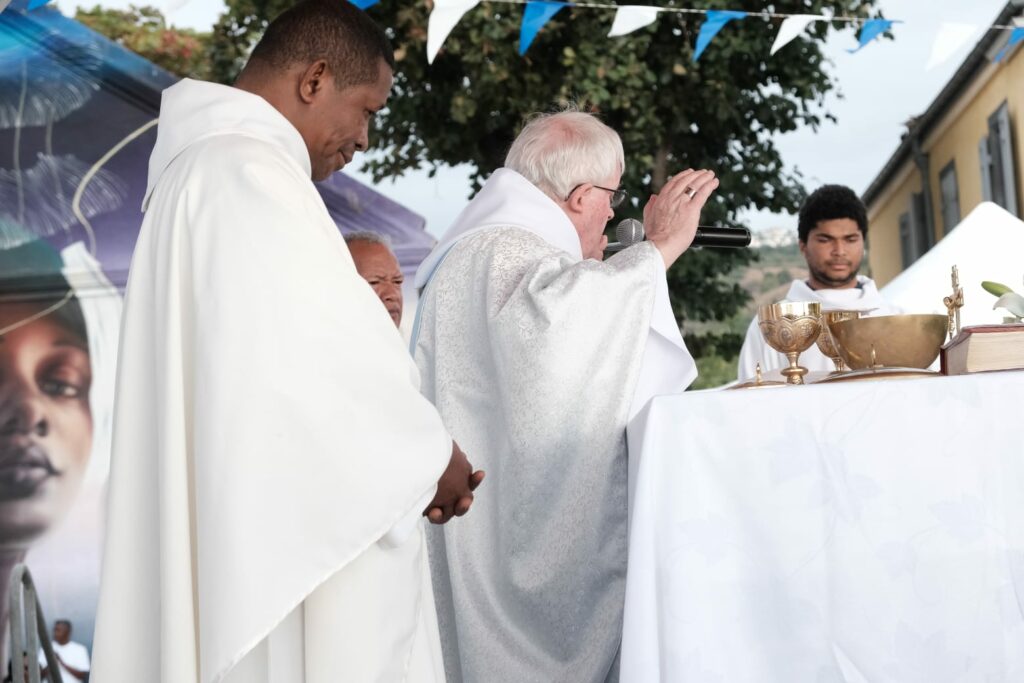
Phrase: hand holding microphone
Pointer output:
(672, 216)
(630, 231)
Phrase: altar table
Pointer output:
(859, 532)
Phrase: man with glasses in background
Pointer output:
(537, 353)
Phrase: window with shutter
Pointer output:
(906, 241)
(949, 196)
(985, 160)
(1004, 176)
(921, 237)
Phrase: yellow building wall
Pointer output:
(954, 139)
(884, 253)
(958, 140)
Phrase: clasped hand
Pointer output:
(454, 489)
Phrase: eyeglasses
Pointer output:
(618, 196)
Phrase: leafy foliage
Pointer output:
(144, 30)
(721, 113)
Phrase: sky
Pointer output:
(879, 89)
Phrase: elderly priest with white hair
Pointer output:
(536, 354)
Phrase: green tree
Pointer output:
(720, 113)
(144, 31)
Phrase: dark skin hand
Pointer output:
(454, 489)
(80, 675)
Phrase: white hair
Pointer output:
(557, 152)
(367, 236)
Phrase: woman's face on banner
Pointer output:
(45, 421)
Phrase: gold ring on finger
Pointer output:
(689, 191)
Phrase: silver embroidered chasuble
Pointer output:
(533, 357)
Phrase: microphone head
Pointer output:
(629, 231)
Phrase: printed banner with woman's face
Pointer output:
(77, 123)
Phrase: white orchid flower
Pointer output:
(1008, 299)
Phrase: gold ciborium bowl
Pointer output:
(890, 341)
(825, 342)
(791, 327)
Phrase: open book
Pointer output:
(983, 348)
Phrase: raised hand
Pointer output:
(671, 217)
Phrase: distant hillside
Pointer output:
(767, 280)
(773, 237)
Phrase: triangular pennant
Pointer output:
(791, 28)
(629, 18)
(716, 19)
(1016, 36)
(363, 4)
(169, 6)
(443, 18)
(950, 38)
(872, 29)
(536, 15)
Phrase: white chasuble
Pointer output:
(864, 297)
(268, 429)
(534, 359)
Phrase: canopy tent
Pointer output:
(987, 245)
(76, 115)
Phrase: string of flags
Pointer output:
(628, 18)
(446, 14)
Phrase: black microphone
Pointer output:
(629, 231)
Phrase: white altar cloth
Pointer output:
(864, 533)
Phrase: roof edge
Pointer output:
(976, 61)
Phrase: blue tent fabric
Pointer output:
(73, 95)
(356, 207)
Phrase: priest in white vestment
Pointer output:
(536, 354)
(832, 228)
(272, 455)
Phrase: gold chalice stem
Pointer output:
(838, 362)
(794, 374)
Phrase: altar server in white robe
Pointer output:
(272, 454)
(537, 353)
(832, 228)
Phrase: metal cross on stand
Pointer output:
(954, 303)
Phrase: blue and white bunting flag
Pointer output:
(629, 18)
(872, 29)
(716, 20)
(1016, 36)
(793, 27)
(443, 18)
(536, 15)
(950, 38)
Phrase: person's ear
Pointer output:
(574, 204)
(803, 247)
(313, 81)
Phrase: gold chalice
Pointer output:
(790, 327)
(826, 344)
